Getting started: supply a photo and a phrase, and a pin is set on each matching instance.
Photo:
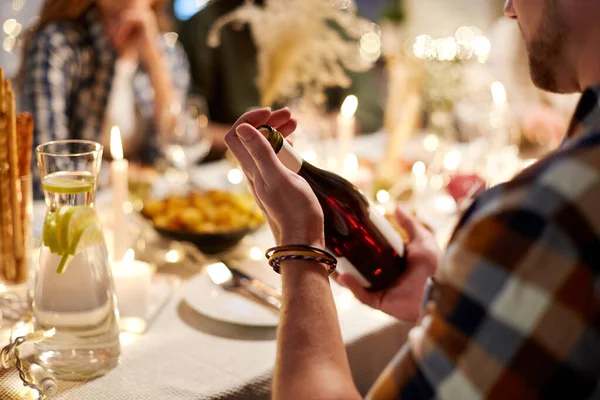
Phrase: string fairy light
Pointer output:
(12, 28)
(40, 383)
(467, 43)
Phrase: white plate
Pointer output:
(208, 299)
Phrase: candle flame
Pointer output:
(349, 106)
(129, 256)
(452, 160)
(256, 254)
(498, 93)
(383, 196)
(116, 146)
(419, 168)
(350, 165)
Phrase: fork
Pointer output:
(233, 280)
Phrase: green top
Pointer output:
(226, 75)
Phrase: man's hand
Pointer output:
(403, 300)
(286, 199)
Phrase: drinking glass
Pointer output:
(186, 140)
(74, 288)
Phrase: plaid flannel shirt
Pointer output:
(515, 313)
(67, 79)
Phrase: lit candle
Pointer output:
(119, 180)
(351, 167)
(132, 285)
(419, 180)
(346, 126)
(499, 115)
(383, 202)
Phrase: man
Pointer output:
(226, 75)
(514, 312)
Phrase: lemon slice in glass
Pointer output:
(68, 183)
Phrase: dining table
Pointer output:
(188, 354)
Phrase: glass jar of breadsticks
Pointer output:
(16, 142)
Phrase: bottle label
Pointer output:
(346, 267)
(288, 156)
(387, 230)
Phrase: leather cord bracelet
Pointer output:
(278, 255)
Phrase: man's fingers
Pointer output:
(240, 152)
(288, 128)
(409, 223)
(359, 292)
(254, 118)
(261, 151)
(279, 117)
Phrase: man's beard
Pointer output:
(542, 65)
(546, 51)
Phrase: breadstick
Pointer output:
(2, 92)
(15, 182)
(24, 144)
(6, 237)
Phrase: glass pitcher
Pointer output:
(74, 289)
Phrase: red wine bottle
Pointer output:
(365, 243)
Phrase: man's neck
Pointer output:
(589, 72)
(588, 68)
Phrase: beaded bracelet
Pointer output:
(277, 255)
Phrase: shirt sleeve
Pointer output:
(514, 313)
(47, 81)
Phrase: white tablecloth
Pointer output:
(187, 356)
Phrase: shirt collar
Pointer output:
(586, 118)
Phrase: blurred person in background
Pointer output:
(89, 65)
(225, 76)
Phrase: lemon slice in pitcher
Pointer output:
(78, 228)
(49, 234)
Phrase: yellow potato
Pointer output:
(191, 216)
(242, 204)
(177, 202)
(152, 208)
(162, 221)
(223, 214)
(207, 212)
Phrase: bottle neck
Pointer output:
(284, 150)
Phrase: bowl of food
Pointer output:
(214, 221)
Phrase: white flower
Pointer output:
(304, 46)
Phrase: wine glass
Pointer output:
(185, 139)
